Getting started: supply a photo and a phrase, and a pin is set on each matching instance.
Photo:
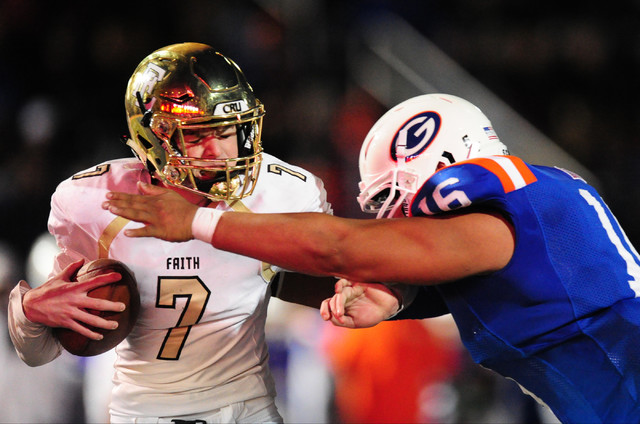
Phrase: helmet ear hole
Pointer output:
(244, 134)
(146, 143)
(150, 167)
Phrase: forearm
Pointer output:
(310, 243)
(364, 250)
(420, 251)
(34, 343)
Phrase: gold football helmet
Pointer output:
(190, 86)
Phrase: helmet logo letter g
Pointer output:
(416, 135)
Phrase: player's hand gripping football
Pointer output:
(165, 214)
(359, 305)
(63, 302)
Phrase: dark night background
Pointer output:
(569, 68)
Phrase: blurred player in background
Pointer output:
(198, 351)
(532, 265)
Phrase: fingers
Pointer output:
(88, 302)
(327, 314)
(131, 200)
(164, 213)
(130, 208)
(337, 305)
(139, 208)
(80, 329)
(146, 231)
(333, 308)
(342, 322)
(124, 197)
(104, 305)
(325, 311)
(134, 213)
(85, 323)
(341, 284)
(150, 189)
(91, 321)
(69, 273)
(96, 321)
(88, 284)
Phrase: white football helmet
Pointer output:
(414, 139)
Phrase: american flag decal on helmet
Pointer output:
(491, 134)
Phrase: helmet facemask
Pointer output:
(219, 178)
(390, 194)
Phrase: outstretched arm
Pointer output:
(419, 250)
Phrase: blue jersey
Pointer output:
(563, 317)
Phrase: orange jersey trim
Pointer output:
(512, 172)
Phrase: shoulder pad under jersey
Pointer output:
(471, 182)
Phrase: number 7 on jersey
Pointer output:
(196, 294)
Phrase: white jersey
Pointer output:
(199, 343)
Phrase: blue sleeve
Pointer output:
(457, 186)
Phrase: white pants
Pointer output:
(259, 410)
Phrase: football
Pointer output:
(125, 290)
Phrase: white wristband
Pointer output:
(204, 223)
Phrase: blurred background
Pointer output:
(558, 80)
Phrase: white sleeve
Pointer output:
(35, 343)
